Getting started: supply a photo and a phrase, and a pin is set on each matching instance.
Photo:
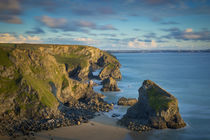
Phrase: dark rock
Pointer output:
(110, 84)
(156, 108)
(127, 101)
(115, 115)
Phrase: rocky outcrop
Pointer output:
(156, 108)
(109, 84)
(42, 82)
(127, 101)
(110, 70)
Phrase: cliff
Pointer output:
(43, 81)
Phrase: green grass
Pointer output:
(23, 46)
(65, 83)
(7, 45)
(112, 59)
(74, 88)
(72, 60)
(10, 86)
(34, 69)
(78, 49)
(23, 96)
(47, 98)
(157, 100)
(4, 58)
(111, 66)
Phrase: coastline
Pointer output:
(101, 127)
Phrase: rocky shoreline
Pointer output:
(50, 86)
(71, 116)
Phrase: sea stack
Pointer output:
(109, 84)
(156, 108)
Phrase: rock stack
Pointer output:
(156, 108)
(110, 84)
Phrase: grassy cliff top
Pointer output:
(69, 54)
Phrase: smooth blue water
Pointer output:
(185, 75)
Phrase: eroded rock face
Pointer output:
(127, 101)
(110, 71)
(110, 84)
(156, 108)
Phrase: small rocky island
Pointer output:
(109, 84)
(156, 108)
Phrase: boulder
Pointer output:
(127, 101)
(110, 84)
(156, 108)
(115, 115)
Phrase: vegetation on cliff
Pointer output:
(38, 80)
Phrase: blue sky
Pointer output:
(108, 24)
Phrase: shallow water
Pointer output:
(185, 75)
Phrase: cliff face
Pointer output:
(156, 108)
(36, 79)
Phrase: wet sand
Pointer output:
(100, 128)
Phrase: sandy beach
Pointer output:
(99, 128)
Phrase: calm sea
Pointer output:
(185, 75)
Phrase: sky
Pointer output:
(108, 24)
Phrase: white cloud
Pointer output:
(141, 44)
(153, 43)
(85, 40)
(191, 36)
(189, 30)
(114, 45)
(9, 38)
(53, 22)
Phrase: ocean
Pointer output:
(185, 75)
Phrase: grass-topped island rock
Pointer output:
(156, 108)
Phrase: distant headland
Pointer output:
(158, 51)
